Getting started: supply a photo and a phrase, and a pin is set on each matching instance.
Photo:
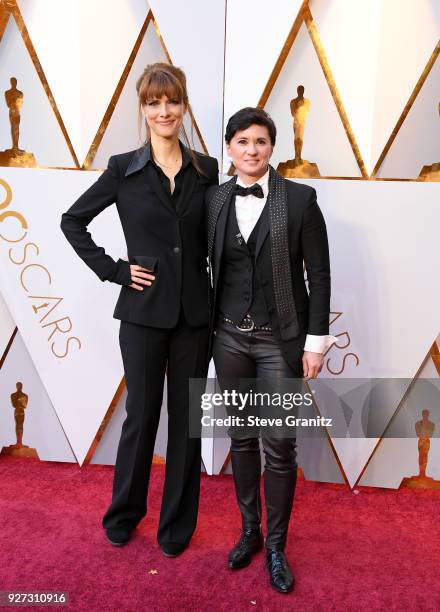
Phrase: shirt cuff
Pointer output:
(319, 344)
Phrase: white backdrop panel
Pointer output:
(122, 131)
(344, 25)
(42, 428)
(53, 27)
(40, 133)
(376, 260)
(380, 283)
(408, 34)
(325, 140)
(82, 383)
(83, 48)
(118, 25)
(255, 34)
(7, 326)
(194, 33)
(214, 450)
(417, 143)
(106, 451)
(397, 458)
(318, 461)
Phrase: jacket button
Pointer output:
(264, 283)
(271, 310)
(176, 249)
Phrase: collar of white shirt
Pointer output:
(249, 208)
(263, 181)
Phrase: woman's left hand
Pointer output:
(312, 364)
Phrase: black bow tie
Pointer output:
(255, 190)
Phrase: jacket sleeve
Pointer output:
(74, 224)
(317, 262)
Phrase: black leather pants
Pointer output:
(257, 355)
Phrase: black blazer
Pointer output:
(166, 238)
(308, 244)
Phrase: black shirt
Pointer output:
(178, 179)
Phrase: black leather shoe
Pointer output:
(118, 537)
(281, 577)
(251, 541)
(173, 549)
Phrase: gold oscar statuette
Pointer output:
(19, 401)
(298, 167)
(7, 5)
(15, 156)
(432, 172)
(424, 430)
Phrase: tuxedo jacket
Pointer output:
(307, 245)
(163, 235)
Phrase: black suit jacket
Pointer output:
(168, 238)
(308, 244)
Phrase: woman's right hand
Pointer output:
(140, 277)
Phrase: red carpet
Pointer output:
(377, 550)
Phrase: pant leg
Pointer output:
(232, 362)
(187, 359)
(280, 475)
(246, 470)
(280, 470)
(144, 354)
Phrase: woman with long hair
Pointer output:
(159, 193)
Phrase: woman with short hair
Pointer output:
(261, 229)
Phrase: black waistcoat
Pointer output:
(240, 290)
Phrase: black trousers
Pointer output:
(147, 352)
(257, 355)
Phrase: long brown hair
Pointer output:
(159, 80)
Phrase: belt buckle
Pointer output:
(246, 329)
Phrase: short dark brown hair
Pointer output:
(245, 117)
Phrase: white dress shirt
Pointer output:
(248, 210)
